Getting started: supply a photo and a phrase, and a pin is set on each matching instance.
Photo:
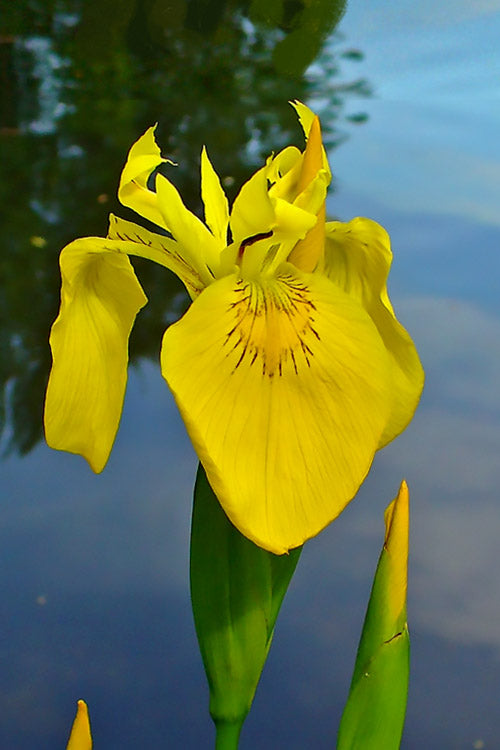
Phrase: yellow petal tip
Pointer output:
(313, 155)
(397, 520)
(396, 516)
(307, 252)
(80, 738)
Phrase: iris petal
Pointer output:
(292, 222)
(214, 200)
(133, 192)
(309, 251)
(283, 386)
(358, 257)
(199, 246)
(283, 171)
(252, 211)
(100, 299)
(127, 237)
(306, 117)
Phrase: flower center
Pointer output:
(274, 326)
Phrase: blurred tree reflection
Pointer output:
(81, 80)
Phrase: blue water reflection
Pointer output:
(95, 599)
(428, 167)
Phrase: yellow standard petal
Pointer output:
(252, 212)
(306, 118)
(100, 298)
(283, 171)
(143, 158)
(358, 258)
(80, 737)
(305, 115)
(214, 200)
(199, 247)
(283, 386)
(307, 252)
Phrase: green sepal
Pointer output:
(236, 592)
(373, 718)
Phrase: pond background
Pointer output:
(95, 599)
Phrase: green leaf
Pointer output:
(236, 592)
(373, 717)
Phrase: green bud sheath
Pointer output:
(236, 593)
(373, 717)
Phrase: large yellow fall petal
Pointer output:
(100, 298)
(358, 257)
(283, 386)
(80, 737)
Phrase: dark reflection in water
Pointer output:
(81, 81)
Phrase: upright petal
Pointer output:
(253, 211)
(199, 246)
(133, 191)
(214, 200)
(100, 298)
(305, 115)
(283, 386)
(358, 257)
(283, 172)
(306, 118)
(307, 253)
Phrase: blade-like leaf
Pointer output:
(236, 592)
(374, 715)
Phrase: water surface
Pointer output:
(95, 599)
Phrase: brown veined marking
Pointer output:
(274, 322)
(251, 240)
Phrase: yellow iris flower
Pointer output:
(289, 368)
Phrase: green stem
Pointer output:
(228, 734)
